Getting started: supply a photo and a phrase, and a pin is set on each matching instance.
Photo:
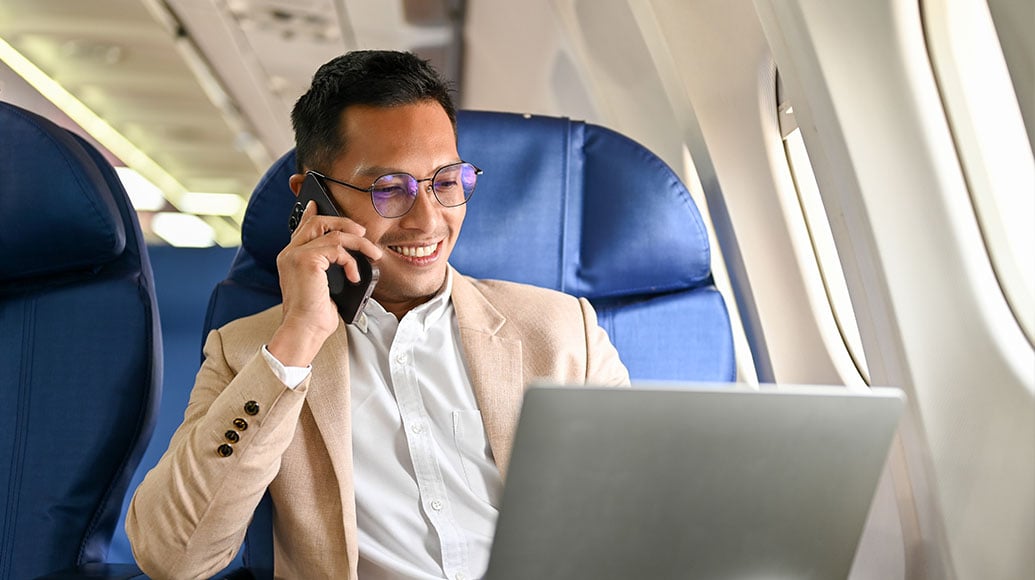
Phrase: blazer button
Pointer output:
(251, 407)
(225, 450)
(232, 436)
(241, 424)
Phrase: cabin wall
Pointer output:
(932, 314)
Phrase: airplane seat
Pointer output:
(562, 204)
(565, 205)
(80, 352)
(579, 208)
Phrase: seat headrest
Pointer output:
(264, 231)
(57, 211)
(584, 209)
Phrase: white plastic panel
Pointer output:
(931, 313)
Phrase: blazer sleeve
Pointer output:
(603, 366)
(188, 517)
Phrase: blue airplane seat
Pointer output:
(80, 352)
(582, 209)
(562, 204)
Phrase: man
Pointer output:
(382, 443)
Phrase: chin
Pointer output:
(411, 289)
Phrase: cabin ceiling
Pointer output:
(205, 87)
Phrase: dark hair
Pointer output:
(378, 78)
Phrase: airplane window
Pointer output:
(821, 236)
(973, 66)
(1012, 20)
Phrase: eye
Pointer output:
(387, 190)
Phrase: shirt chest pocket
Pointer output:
(476, 461)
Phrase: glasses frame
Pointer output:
(430, 187)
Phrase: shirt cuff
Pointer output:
(290, 376)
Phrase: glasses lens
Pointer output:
(454, 184)
(393, 195)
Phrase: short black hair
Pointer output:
(378, 78)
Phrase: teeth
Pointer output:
(416, 252)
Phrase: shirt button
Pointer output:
(436, 505)
(417, 428)
(400, 358)
(459, 576)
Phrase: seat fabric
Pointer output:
(80, 348)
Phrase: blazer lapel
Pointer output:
(494, 365)
(329, 401)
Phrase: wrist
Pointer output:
(296, 345)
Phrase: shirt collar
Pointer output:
(426, 314)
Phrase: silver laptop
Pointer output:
(691, 482)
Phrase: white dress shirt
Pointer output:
(427, 487)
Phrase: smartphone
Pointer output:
(349, 297)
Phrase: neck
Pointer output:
(400, 308)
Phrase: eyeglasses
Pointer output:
(394, 194)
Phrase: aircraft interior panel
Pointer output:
(864, 169)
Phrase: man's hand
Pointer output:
(310, 315)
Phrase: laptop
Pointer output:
(691, 482)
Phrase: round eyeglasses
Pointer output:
(394, 194)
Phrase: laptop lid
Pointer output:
(691, 482)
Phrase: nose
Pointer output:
(428, 184)
(425, 213)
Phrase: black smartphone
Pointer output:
(348, 296)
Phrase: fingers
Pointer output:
(336, 240)
(338, 247)
(348, 261)
(312, 226)
(329, 231)
(327, 239)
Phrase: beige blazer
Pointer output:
(189, 515)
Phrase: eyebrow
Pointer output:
(376, 171)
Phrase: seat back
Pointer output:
(80, 348)
(565, 205)
(579, 208)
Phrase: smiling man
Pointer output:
(382, 443)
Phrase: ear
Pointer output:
(295, 181)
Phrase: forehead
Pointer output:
(411, 130)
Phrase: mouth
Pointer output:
(418, 254)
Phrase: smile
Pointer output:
(416, 251)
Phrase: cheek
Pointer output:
(375, 234)
(375, 225)
(456, 220)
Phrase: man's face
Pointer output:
(417, 139)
